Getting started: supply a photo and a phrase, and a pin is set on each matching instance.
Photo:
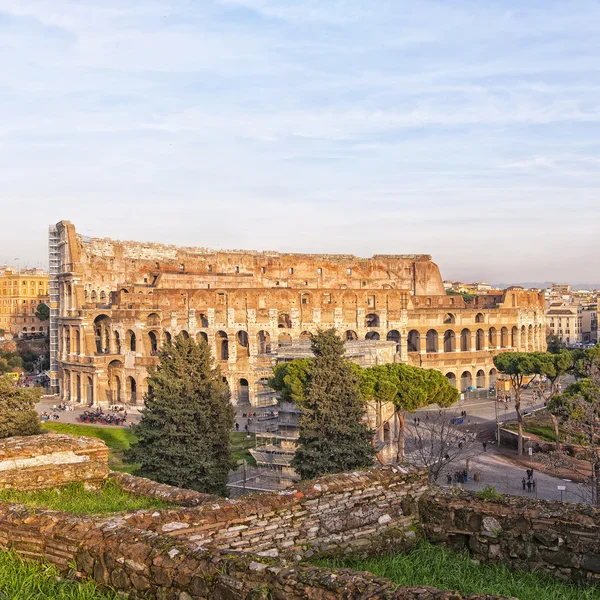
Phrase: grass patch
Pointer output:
(119, 439)
(20, 580)
(541, 425)
(111, 498)
(447, 570)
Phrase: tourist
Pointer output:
(485, 446)
(449, 478)
(237, 426)
(529, 486)
(524, 482)
(533, 484)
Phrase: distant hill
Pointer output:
(547, 284)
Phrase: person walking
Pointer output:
(524, 483)
(485, 446)
(529, 486)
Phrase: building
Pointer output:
(114, 303)
(565, 322)
(21, 292)
(589, 323)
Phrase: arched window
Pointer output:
(102, 326)
(449, 341)
(203, 320)
(466, 381)
(94, 296)
(202, 337)
(479, 318)
(451, 377)
(184, 334)
(394, 336)
(350, 335)
(480, 379)
(243, 348)
(493, 338)
(372, 320)
(132, 390)
(449, 318)
(493, 377)
(102, 295)
(305, 337)
(431, 344)
(465, 340)
(284, 340)
(222, 345)
(479, 340)
(414, 341)
(264, 342)
(243, 392)
(372, 335)
(131, 341)
(168, 338)
(153, 339)
(153, 320)
(504, 337)
(284, 321)
(514, 337)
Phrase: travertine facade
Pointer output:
(118, 301)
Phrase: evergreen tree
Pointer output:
(17, 409)
(184, 433)
(333, 435)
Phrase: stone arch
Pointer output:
(414, 341)
(514, 337)
(94, 296)
(451, 377)
(372, 335)
(284, 340)
(372, 320)
(465, 340)
(168, 338)
(504, 337)
(449, 318)
(394, 336)
(264, 342)
(480, 379)
(202, 337)
(203, 320)
(431, 341)
(89, 390)
(493, 377)
(492, 338)
(222, 345)
(131, 340)
(305, 337)
(466, 381)
(243, 343)
(449, 341)
(479, 340)
(350, 335)
(184, 334)
(117, 338)
(102, 327)
(243, 392)
(153, 341)
(153, 320)
(284, 321)
(523, 344)
(115, 378)
(479, 318)
(77, 340)
(530, 338)
(131, 390)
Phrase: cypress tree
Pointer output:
(333, 435)
(183, 436)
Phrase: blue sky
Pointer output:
(467, 130)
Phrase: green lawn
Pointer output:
(76, 499)
(21, 580)
(541, 425)
(447, 570)
(119, 439)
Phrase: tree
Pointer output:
(408, 388)
(17, 409)
(289, 379)
(517, 365)
(436, 443)
(42, 312)
(333, 436)
(183, 436)
(553, 366)
(554, 343)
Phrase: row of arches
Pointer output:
(467, 381)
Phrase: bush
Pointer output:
(488, 494)
(17, 409)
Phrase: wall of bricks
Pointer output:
(559, 538)
(51, 460)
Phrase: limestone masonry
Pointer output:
(116, 302)
(51, 460)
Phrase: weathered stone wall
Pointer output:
(339, 511)
(128, 553)
(559, 538)
(51, 460)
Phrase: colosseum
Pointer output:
(114, 303)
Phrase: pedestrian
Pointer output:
(449, 478)
(237, 426)
(529, 486)
(524, 483)
(415, 420)
(533, 485)
(485, 446)
(419, 422)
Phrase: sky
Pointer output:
(467, 130)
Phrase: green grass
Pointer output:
(76, 499)
(21, 580)
(447, 570)
(239, 448)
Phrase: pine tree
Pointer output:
(17, 409)
(184, 433)
(333, 435)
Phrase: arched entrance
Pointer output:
(414, 341)
(222, 345)
(131, 390)
(431, 344)
(264, 342)
(480, 379)
(449, 341)
(451, 377)
(243, 392)
(466, 381)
